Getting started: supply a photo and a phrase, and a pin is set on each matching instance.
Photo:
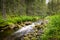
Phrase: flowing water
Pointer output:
(24, 30)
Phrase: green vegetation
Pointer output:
(14, 21)
(17, 19)
(15, 14)
(52, 30)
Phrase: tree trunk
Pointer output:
(4, 9)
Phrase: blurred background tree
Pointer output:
(29, 7)
(54, 7)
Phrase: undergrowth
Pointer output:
(52, 30)
(17, 19)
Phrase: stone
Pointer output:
(28, 23)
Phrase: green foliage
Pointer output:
(52, 30)
(2, 22)
(53, 7)
(28, 7)
(17, 19)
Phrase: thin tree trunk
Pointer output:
(4, 9)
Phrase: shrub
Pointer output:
(52, 30)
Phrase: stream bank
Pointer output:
(36, 31)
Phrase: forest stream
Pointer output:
(19, 34)
(29, 19)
